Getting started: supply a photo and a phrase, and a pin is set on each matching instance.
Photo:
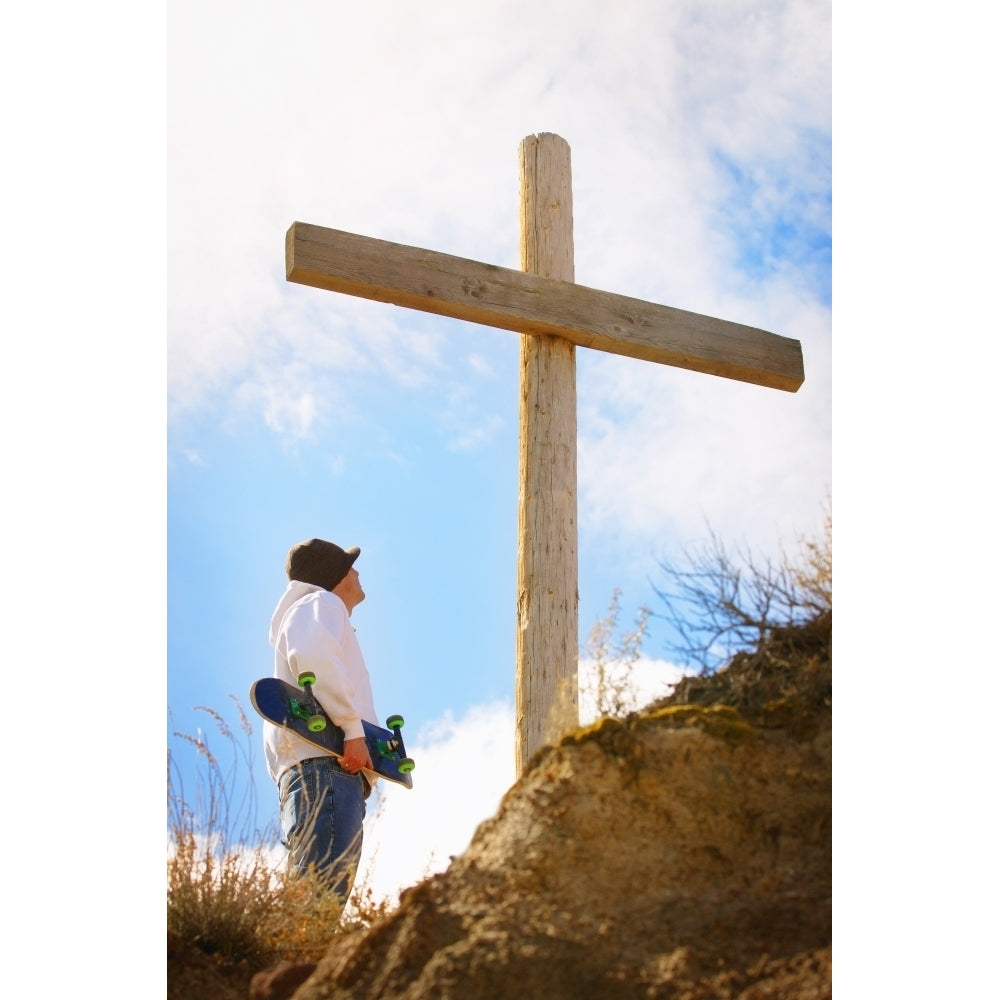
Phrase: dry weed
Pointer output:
(230, 891)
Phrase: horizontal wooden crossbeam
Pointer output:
(527, 303)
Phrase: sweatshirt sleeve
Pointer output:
(315, 637)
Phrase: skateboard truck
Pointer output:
(389, 749)
(310, 711)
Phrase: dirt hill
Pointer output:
(683, 853)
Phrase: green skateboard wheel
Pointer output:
(306, 677)
(394, 722)
(316, 724)
(406, 765)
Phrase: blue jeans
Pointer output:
(322, 811)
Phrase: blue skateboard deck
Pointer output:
(296, 709)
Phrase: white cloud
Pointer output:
(290, 415)
(472, 437)
(480, 365)
(332, 115)
(464, 768)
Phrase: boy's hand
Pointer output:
(356, 755)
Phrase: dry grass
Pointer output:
(230, 891)
(614, 655)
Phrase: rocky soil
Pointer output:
(683, 853)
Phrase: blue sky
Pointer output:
(700, 137)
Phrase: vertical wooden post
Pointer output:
(547, 642)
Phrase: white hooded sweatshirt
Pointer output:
(311, 630)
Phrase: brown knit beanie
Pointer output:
(320, 562)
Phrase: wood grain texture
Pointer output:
(547, 637)
(539, 304)
(554, 315)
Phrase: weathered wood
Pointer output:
(547, 639)
(553, 314)
(536, 303)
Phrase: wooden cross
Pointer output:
(553, 314)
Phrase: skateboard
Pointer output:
(296, 709)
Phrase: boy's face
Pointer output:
(349, 589)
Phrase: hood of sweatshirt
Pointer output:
(294, 593)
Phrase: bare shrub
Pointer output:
(720, 603)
